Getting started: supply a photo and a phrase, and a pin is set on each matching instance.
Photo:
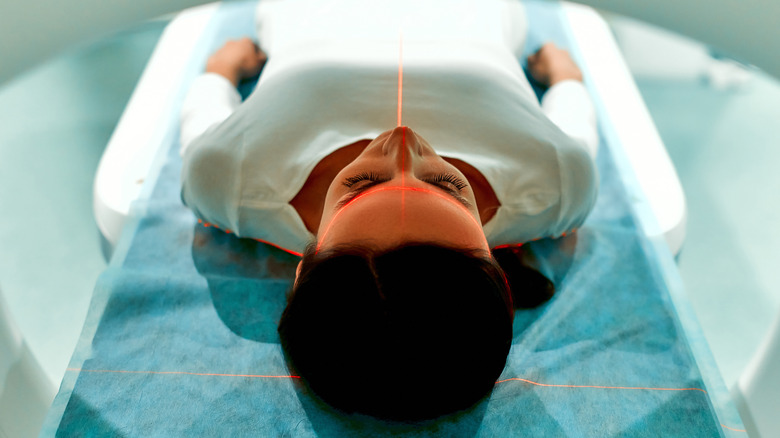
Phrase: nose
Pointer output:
(404, 145)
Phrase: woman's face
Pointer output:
(399, 190)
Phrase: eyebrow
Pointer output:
(357, 193)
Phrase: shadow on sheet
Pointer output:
(185, 340)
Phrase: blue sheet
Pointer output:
(181, 338)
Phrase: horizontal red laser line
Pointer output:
(185, 373)
(613, 387)
(508, 245)
(600, 387)
(289, 251)
(393, 188)
(298, 377)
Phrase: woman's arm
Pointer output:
(212, 97)
(566, 102)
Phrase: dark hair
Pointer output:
(529, 287)
(409, 333)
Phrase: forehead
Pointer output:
(391, 215)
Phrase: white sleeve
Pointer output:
(210, 100)
(570, 107)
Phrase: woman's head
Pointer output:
(409, 332)
(400, 190)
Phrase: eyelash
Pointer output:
(365, 176)
(438, 178)
(450, 178)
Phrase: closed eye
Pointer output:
(449, 183)
(364, 176)
(447, 179)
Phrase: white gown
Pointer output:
(332, 79)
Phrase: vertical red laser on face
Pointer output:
(400, 119)
(403, 177)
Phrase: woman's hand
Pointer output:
(551, 64)
(237, 60)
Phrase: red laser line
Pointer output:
(185, 373)
(547, 385)
(731, 428)
(508, 245)
(289, 251)
(298, 377)
(400, 119)
(599, 387)
(400, 73)
(394, 188)
(403, 176)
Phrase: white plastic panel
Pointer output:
(135, 143)
(25, 391)
(757, 392)
(634, 127)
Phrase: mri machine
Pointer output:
(134, 157)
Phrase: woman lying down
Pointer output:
(396, 147)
